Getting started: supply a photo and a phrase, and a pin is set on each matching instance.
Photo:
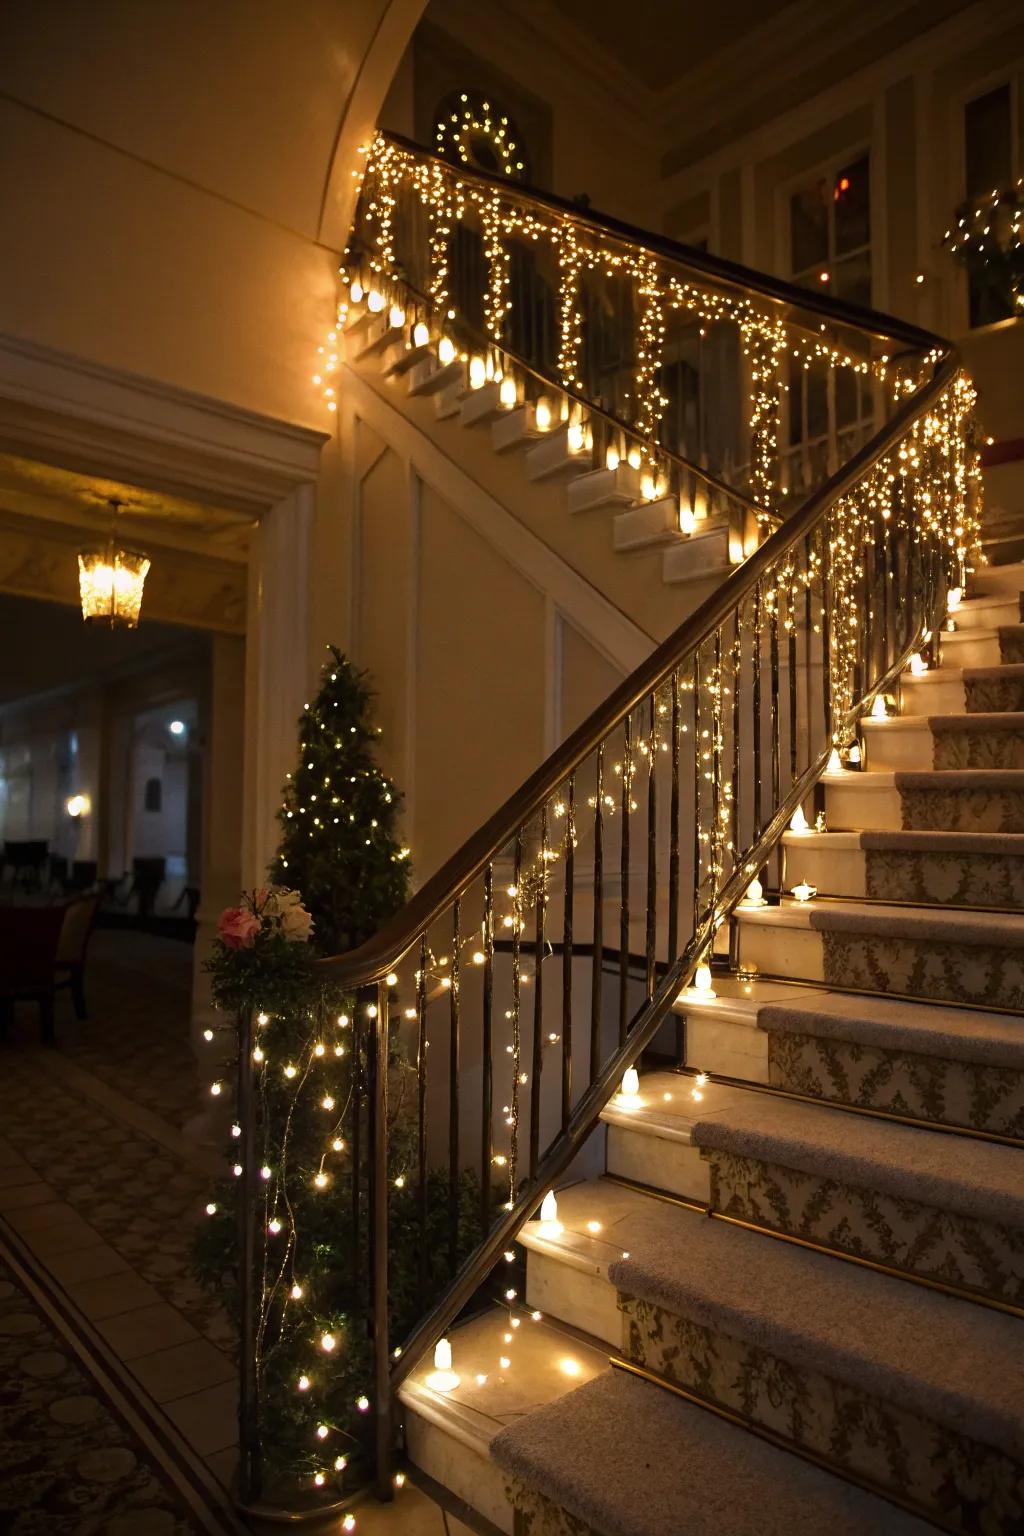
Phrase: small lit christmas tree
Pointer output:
(339, 846)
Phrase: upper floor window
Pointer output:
(988, 169)
(830, 232)
(475, 132)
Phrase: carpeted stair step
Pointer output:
(953, 1066)
(623, 1457)
(983, 647)
(448, 1433)
(921, 1201)
(954, 690)
(901, 1386)
(964, 957)
(940, 800)
(921, 742)
(992, 580)
(966, 869)
(989, 612)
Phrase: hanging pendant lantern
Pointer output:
(110, 582)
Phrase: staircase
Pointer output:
(848, 1329)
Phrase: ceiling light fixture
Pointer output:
(111, 580)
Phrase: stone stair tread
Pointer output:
(975, 1178)
(910, 840)
(922, 923)
(927, 778)
(627, 1458)
(933, 1354)
(1008, 720)
(961, 1034)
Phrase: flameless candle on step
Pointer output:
(550, 1225)
(442, 1378)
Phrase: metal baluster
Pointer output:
(716, 768)
(421, 1107)
(737, 678)
(597, 962)
(808, 632)
(791, 661)
(627, 775)
(487, 1056)
(250, 1472)
(377, 1106)
(357, 1091)
(538, 996)
(652, 850)
(567, 905)
(453, 1094)
(773, 653)
(696, 791)
(826, 631)
(756, 688)
(517, 876)
(673, 849)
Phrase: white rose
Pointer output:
(296, 923)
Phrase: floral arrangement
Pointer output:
(270, 912)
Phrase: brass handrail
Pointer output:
(840, 311)
(373, 960)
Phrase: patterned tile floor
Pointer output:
(99, 1184)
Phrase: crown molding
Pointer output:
(100, 420)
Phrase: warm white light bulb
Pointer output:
(575, 438)
(798, 821)
(835, 762)
(397, 316)
(630, 1086)
(878, 709)
(374, 301)
(549, 1222)
(446, 351)
(954, 598)
(702, 981)
(918, 665)
(477, 373)
(420, 335)
(687, 520)
(804, 892)
(442, 1378)
(542, 416)
(355, 293)
(611, 458)
(507, 392)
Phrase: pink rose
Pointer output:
(238, 928)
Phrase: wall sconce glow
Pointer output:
(110, 583)
(78, 805)
(630, 1088)
(507, 392)
(798, 821)
(420, 335)
(442, 1378)
(542, 416)
(918, 665)
(550, 1225)
(374, 301)
(754, 895)
(397, 317)
(446, 351)
(177, 727)
(477, 373)
(804, 892)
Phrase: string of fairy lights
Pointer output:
(987, 239)
(926, 488)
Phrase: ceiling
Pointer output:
(68, 496)
(658, 42)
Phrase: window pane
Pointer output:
(987, 142)
(808, 227)
(851, 279)
(851, 196)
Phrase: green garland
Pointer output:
(313, 1346)
(986, 239)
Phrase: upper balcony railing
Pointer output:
(705, 374)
